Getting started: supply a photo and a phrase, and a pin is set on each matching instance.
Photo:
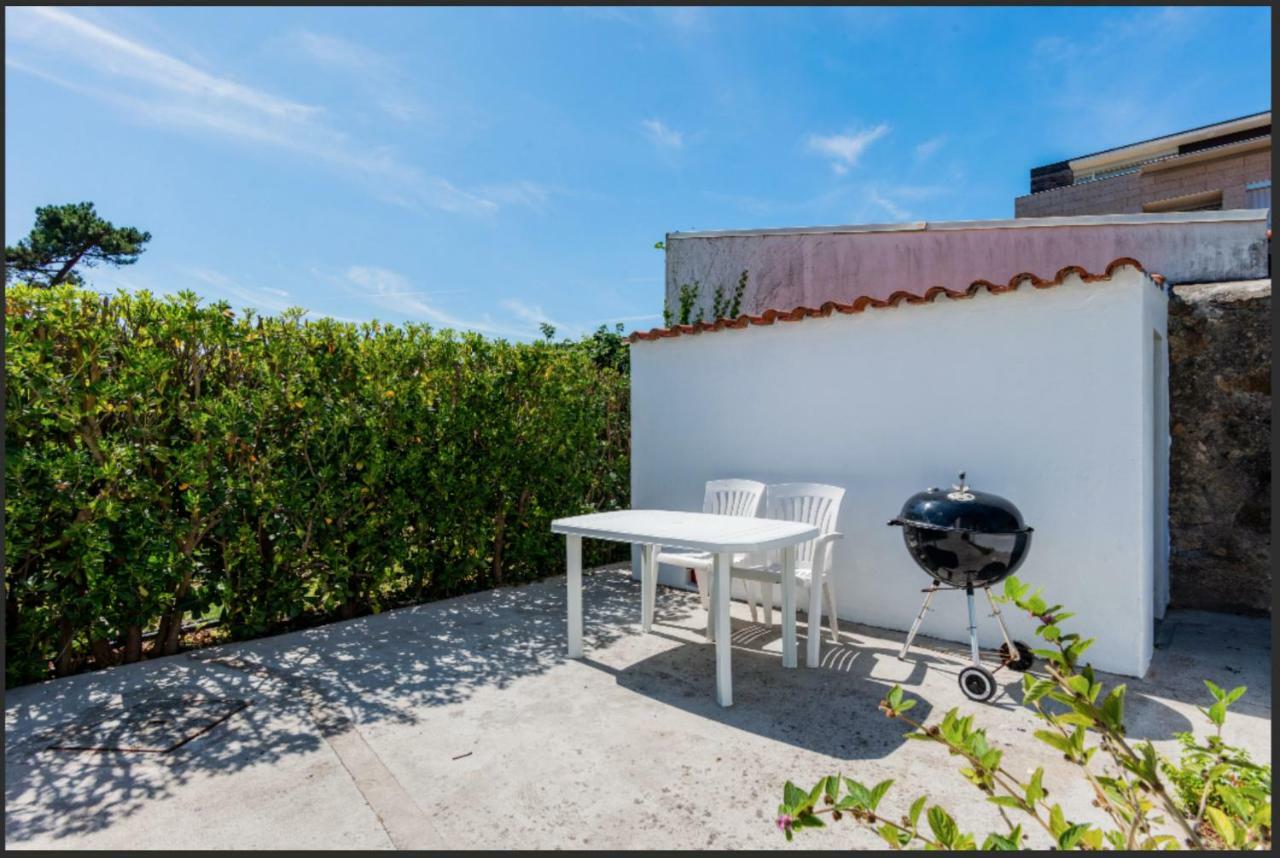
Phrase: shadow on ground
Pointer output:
(313, 690)
(302, 688)
(830, 710)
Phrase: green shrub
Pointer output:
(1219, 799)
(168, 460)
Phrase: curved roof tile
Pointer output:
(768, 317)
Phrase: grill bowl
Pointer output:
(964, 538)
(962, 558)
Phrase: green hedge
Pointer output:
(168, 460)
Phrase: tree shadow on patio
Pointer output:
(302, 689)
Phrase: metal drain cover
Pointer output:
(153, 726)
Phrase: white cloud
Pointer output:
(393, 292)
(683, 19)
(663, 136)
(531, 195)
(383, 82)
(1170, 24)
(606, 13)
(534, 314)
(846, 149)
(262, 298)
(1097, 97)
(163, 90)
(919, 192)
(894, 210)
(930, 147)
(85, 42)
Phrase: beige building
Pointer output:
(1222, 166)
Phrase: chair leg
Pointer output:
(814, 629)
(751, 598)
(704, 596)
(766, 602)
(831, 608)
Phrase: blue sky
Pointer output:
(491, 169)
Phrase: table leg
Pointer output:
(648, 585)
(573, 564)
(789, 606)
(720, 606)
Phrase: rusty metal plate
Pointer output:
(153, 726)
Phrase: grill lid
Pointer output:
(961, 508)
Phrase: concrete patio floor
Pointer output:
(461, 724)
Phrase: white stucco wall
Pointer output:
(1042, 396)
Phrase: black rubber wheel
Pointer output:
(978, 684)
(1023, 661)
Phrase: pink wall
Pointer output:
(790, 268)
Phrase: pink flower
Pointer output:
(784, 822)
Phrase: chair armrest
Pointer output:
(826, 538)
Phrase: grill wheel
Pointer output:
(977, 683)
(1022, 661)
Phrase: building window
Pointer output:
(1257, 195)
(1206, 201)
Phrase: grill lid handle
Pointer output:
(960, 492)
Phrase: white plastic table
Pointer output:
(721, 535)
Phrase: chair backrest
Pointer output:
(733, 497)
(811, 503)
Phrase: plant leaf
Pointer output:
(1221, 824)
(942, 825)
(1071, 835)
(914, 813)
(877, 793)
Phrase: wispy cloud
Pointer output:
(753, 205)
(114, 54)
(531, 313)
(531, 195)
(381, 79)
(606, 13)
(662, 135)
(535, 315)
(930, 147)
(683, 19)
(894, 210)
(1157, 26)
(239, 292)
(845, 150)
(394, 292)
(161, 89)
(1089, 111)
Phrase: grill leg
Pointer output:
(973, 628)
(1004, 632)
(915, 626)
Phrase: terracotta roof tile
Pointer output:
(768, 317)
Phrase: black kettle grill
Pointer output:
(965, 540)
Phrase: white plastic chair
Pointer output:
(721, 497)
(811, 503)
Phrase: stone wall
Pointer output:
(1220, 459)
